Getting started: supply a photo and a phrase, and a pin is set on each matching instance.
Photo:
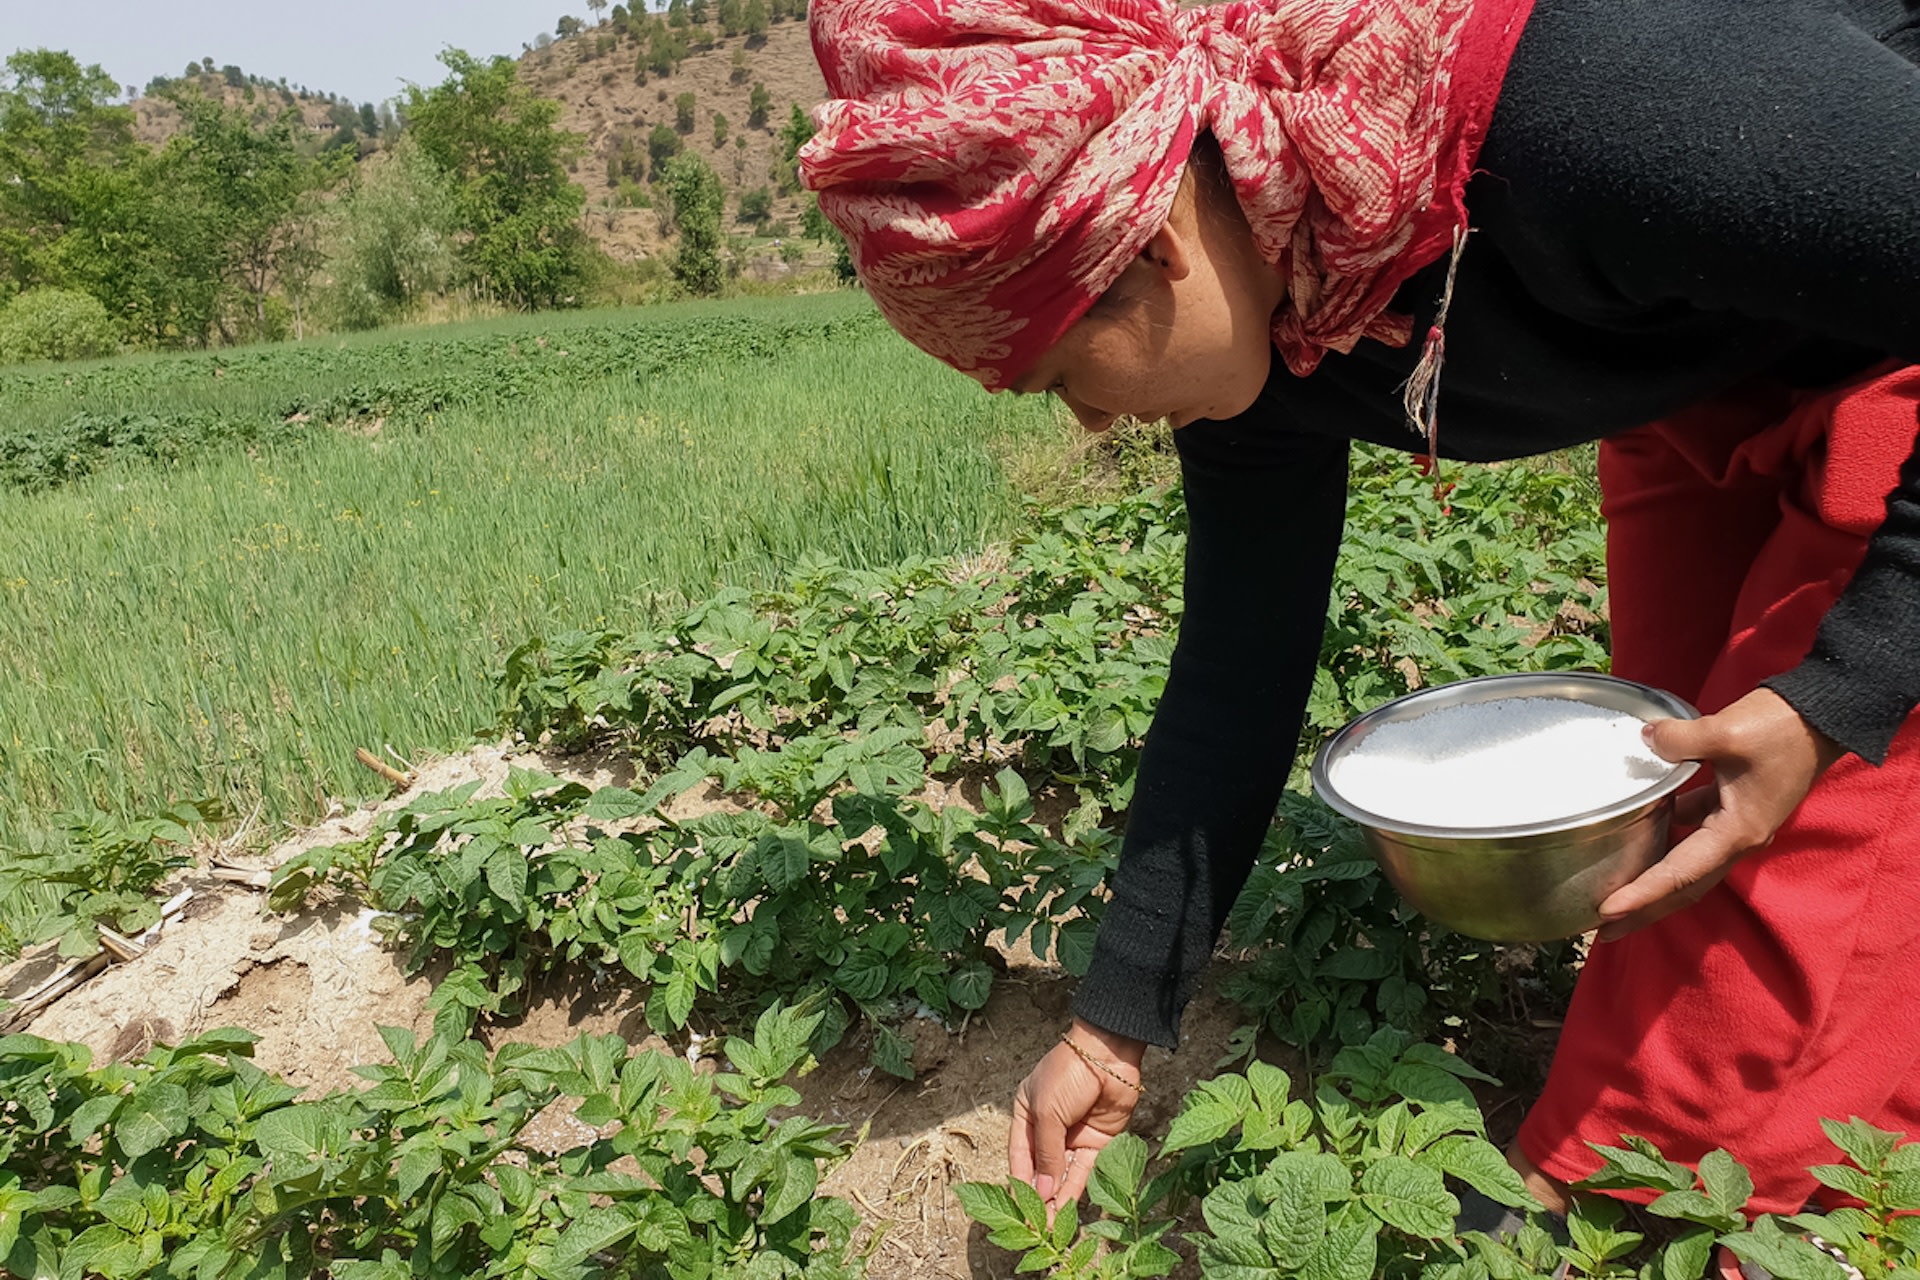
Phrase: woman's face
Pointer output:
(1184, 335)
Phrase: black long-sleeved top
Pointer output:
(1674, 196)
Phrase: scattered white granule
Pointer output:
(1503, 763)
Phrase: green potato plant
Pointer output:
(193, 1162)
(106, 872)
(1355, 1180)
(1347, 1182)
(848, 897)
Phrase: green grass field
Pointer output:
(229, 612)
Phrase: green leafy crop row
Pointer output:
(1336, 955)
(1356, 1181)
(833, 889)
(823, 708)
(106, 872)
(1058, 658)
(65, 424)
(882, 906)
(195, 1163)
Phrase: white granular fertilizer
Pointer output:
(1503, 763)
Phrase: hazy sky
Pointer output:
(361, 49)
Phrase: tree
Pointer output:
(597, 7)
(246, 182)
(813, 223)
(676, 13)
(143, 245)
(84, 207)
(58, 127)
(697, 12)
(793, 136)
(798, 129)
(754, 20)
(758, 103)
(663, 144)
(506, 156)
(683, 109)
(694, 199)
(756, 206)
(731, 17)
(630, 158)
(346, 127)
(719, 129)
(302, 254)
(394, 239)
(666, 48)
(567, 26)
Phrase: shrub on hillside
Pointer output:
(666, 49)
(55, 324)
(756, 205)
(663, 144)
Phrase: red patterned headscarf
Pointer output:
(995, 164)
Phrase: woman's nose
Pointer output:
(1089, 417)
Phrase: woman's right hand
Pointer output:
(1066, 1110)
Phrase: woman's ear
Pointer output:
(1168, 251)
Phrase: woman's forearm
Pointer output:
(1265, 511)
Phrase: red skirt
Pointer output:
(1791, 992)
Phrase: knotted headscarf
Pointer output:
(995, 164)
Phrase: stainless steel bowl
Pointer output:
(1528, 883)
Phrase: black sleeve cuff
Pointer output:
(1861, 680)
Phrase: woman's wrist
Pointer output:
(1107, 1044)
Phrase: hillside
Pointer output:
(596, 76)
(606, 102)
(155, 119)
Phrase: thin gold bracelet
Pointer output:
(1066, 1038)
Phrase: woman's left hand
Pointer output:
(1765, 759)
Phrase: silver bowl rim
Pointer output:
(1676, 777)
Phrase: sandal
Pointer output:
(1728, 1267)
